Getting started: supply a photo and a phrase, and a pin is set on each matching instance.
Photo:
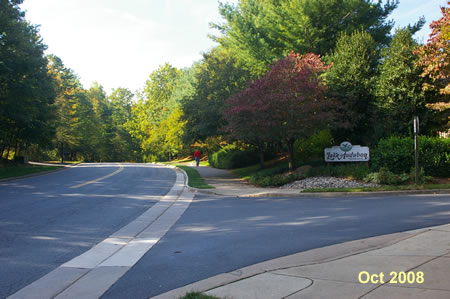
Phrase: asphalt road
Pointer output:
(218, 234)
(47, 220)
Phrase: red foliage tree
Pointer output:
(435, 55)
(286, 104)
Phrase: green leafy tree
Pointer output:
(214, 79)
(26, 90)
(68, 91)
(351, 81)
(124, 146)
(139, 125)
(150, 113)
(99, 142)
(399, 87)
(158, 92)
(261, 31)
(170, 133)
(88, 130)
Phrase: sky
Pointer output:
(118, 43)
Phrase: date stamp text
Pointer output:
(393, 277)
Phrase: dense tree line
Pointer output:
(26, 91)
(281, 71)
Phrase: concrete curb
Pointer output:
(329, 194)
(306, 258)
(186, 177)
(39, 173)
(192, 189)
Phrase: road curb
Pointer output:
(192, 189)
(186, 177)
(329, 194)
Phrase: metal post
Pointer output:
(416, 149)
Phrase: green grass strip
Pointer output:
(19, 171)
(185, 162)
(65, 162)
(195, 179)
(246, 172)
(382, 188)
(198, 295)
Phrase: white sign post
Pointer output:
(346, 152)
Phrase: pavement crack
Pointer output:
(301, 290)
(376, 247)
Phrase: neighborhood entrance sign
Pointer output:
(346, 152)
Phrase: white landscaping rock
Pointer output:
(326, 182)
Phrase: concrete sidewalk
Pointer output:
(228, 184)
(413, 264)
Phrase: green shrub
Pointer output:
(397, 153)
(373, 177)
(422, 177)
(284, 167)
(231, 156)
(274, 180)
(312, 148)
(434, 156)
(197, 295)
(386, 177)
(212, 144)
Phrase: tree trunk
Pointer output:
(290, 145)
(16, 149)
(8, 145)
(2, 150)
(261, 154)
(7, 152)
(62, 152)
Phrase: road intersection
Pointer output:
(134, 231)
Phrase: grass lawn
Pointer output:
(195, 180)
(382, 188)
(65, 162)
(18, 171)
(197, 295)
(186, 161)
(247, 172)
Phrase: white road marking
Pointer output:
(92, 273)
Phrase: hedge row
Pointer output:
(397, 155)
(231, 156)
